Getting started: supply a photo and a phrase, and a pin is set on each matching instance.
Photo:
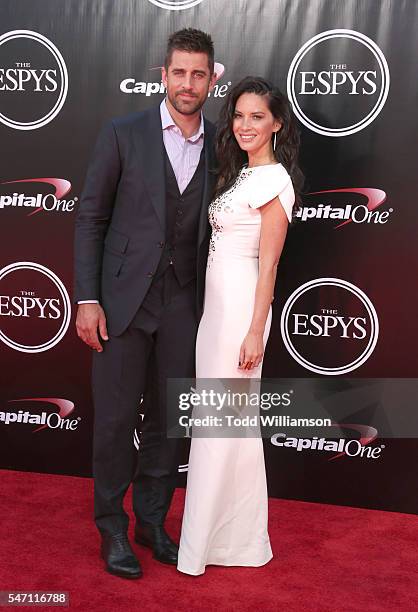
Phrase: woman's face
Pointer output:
(254, 124)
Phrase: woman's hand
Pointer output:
(251, 352)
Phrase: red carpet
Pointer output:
(327, 558)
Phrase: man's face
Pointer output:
(188, 81)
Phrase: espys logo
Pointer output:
(149, 88)
(175, 5)
(35, 308)
(37, 202)
(341, 446)
(33, 80)
(329, 326)
(339, 210)
(50, 420)
(338, 82)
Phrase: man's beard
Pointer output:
(186, 108)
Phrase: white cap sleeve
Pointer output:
(269, 182)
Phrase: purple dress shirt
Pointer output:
(183, 153)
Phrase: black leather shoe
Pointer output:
(119, 556)
(155, 537)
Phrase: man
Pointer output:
(141, 244)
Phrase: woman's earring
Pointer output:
(274, 141)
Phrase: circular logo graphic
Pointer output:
(35, 308)
(329, 326)
(33, 80)
(175, 5)
(338, 82)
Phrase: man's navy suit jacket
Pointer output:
(120, 225)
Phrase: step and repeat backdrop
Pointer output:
(346, 298)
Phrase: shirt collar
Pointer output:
(168, 122)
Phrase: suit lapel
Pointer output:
(208, 183)
(150, 148)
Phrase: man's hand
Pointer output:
(91, 317)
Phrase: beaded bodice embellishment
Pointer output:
(223, 204)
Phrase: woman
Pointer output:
(225, 517)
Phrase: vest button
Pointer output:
(179, 212)
(160, 244)
(150, 274)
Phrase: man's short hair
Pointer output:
(194, 41)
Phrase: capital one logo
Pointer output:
(31, 200)
(338, 82)
(342, 446)
(333, 205)
(130, 85)
(33, 80)
(45, 419)
(175, 5)
(35, 309)
(329, 326)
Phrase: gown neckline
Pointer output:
(245, 167)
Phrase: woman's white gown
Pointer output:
(225, 515)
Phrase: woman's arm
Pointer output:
(274, 225)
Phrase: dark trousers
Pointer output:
(158, 344)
